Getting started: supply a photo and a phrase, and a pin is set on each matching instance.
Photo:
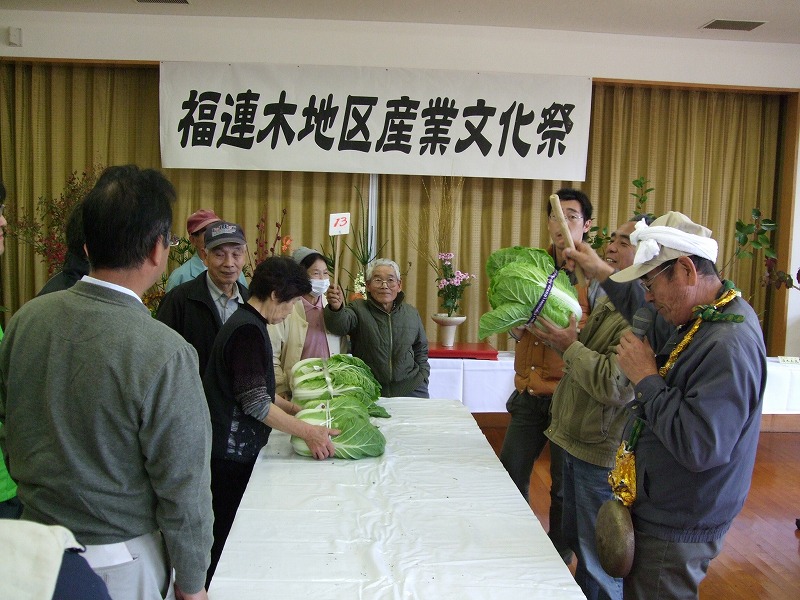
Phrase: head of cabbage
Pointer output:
(517, 278)
(346, 376)
(359, 438)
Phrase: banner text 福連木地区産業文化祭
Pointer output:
(374, 120)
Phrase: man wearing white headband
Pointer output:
(697, 403)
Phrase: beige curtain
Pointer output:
(710, 154)
(56, 119)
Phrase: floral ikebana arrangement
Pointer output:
(451, 283)
(45, 230)
(262, 251)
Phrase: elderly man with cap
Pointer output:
(198, 308)
(303, 333)
(698, 377)
(196, 226)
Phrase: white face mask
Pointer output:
(319, 286)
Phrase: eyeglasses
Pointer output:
(647, 285)
(571, 217)
(379, 283)
(174, 240)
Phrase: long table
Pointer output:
(435, 517)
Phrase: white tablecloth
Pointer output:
(481, 385)
(435, 517)
(485, 385)
(782, 393)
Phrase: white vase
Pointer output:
(447, 327)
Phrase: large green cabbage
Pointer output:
(349, 376)
(517, 278)
(359, 438)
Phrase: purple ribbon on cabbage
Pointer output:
(540, 304)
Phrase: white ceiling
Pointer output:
(666, 18)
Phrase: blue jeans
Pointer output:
(586, 487)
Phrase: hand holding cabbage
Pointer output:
(359, 438)
(316, 436)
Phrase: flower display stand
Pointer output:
(447, 327)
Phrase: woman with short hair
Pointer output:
(239, 382)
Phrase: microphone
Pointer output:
(640, 324)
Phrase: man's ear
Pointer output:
(156, 252)
(203, 254)
(687, 269)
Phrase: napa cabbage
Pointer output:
(517, 277)
(359, 438)
(349, 376)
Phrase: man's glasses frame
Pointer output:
(649, 283)
(380, 283)
(571, 217)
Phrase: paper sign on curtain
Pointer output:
(372, 120)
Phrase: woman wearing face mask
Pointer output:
(303, 334)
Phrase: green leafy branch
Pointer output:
(755, 235)
(599, 236)
(641, 197)
(777, 278)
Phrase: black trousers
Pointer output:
(228, 482)
(522, 445)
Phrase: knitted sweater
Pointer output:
(107, 429)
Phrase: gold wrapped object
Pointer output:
(623, 476)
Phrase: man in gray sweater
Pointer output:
(107, 431)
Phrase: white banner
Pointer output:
(372, 120)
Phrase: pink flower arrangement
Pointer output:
(451, 283)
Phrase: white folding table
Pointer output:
(435, 517)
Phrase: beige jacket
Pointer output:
(288, 339)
